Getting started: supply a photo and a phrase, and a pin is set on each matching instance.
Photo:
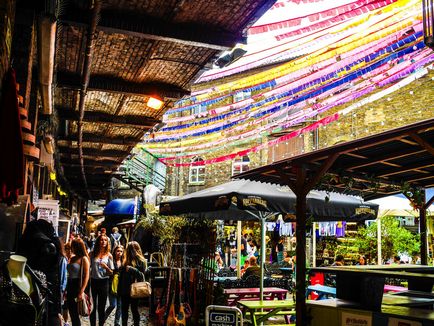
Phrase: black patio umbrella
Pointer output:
(253, 200)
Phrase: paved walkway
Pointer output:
(144, 313)
(144, 321)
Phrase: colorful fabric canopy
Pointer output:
(340, 53)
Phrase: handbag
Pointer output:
(84, 306)
(115, 282)
(140, 290)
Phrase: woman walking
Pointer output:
(133, 269)
(78, 271)
(101, 269)
(114, 299)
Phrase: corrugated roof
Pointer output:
(141, 48)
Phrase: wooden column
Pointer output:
(422, 228)
(300, 267)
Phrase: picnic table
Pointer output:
(260, 311)
(323, 291)
(270, 293)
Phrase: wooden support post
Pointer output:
(422, 228)
(300, 267)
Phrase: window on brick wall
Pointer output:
(243, 95)
(197, 172)
(240, 164)
(199, 109)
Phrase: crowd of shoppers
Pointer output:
(106, 276)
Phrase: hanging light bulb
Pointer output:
(154, 102)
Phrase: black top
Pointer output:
(252, 270)
(16, 307)
(244, 245)
(129, 275)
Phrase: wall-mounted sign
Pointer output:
(49, 210)
(356, 319)
(223, 316)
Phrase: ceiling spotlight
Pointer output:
(154, 103)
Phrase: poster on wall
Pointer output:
(63, 230)
(403, 322)
(48, 209)
(356, 319)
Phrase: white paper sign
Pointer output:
(356, 319)
(403, 322)
(49, 210)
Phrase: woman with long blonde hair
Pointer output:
(101, 270)
(133, 270)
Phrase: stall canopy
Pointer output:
(233, 200)
(397, 206)
(395, 161)
(244, 199)
(120, 207)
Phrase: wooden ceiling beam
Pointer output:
(422, 143)
(92, 138)
(93, 152)
(103, 163)
(152, 28)
(137, 121)
(112, 84)
(384, 158)
(419, 167)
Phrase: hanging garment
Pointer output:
(11, 141)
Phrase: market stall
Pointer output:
(396, 161)
(250, 200)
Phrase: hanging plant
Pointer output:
(414, 194)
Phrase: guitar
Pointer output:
(180, 320)
(161, 309)
(171, 319)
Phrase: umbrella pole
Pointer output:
(261, 281)
(238, 249)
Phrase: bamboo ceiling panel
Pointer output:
(103, 102)
(231, 15)
(120, 55)
(126, 131)
(140, 48)
(66, 98)
(115, 147)
(69, 49)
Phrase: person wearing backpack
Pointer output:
(115, 238)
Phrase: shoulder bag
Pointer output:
(140, 289)
(84, 306)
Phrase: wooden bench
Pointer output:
(260, 311)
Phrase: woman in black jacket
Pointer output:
(133, 270)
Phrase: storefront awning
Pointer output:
(120, 207)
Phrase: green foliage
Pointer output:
(394, 239)
(166, 228)
(173, 229)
